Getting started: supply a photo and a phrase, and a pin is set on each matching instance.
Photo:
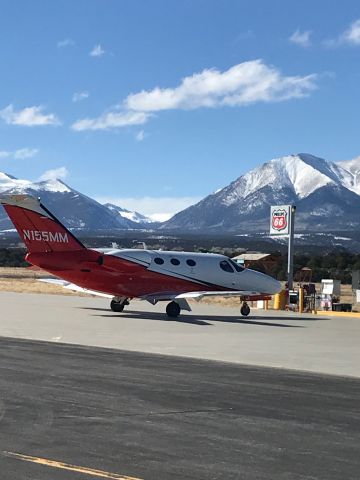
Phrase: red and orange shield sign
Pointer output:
(279, 220)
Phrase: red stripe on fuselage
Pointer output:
(112, 275)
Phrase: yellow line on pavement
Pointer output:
(330, 313)
(66, 466)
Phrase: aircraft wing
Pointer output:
(153, 299)
(250, 295)
(73, 287)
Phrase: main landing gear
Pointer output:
(173, 309)
(245, 309)
(117, 304)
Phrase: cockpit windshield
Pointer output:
(237, 267)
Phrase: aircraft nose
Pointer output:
(265, 283)
(274, 286)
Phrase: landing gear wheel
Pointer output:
(245, 310)
(173, 309)
(116, 306)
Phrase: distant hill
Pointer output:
(135, 217)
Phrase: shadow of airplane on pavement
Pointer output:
(202, 320)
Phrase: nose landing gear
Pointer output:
(245, 309)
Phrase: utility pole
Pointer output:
(290, 269)
(282, 219)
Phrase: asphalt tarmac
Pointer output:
(274, 339)
(77, 412)
(72, 409)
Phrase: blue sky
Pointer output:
(154, 104)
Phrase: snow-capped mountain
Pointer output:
(8, 181)
(127, 214)
(73, 208)
(326, 194)
(353, 168)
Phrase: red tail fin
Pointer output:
(40, 230)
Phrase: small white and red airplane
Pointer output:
(124, 274)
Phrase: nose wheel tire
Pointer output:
(173, 309)
(245, 310)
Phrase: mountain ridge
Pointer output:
(74, 209)
(245, 202)
(327, 195)
(130, 215)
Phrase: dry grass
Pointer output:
(24, 280)
(17, 272)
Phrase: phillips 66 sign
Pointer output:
(280, 219)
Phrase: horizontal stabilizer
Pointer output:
(73, 287)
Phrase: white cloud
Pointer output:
(157, 208)
(29, 116)
(97, 51)
(242, 84)
(245, 35)
(140, 136)
(111, 120)
(55, 173)
(301, 38)
(19, 154)
(78, 96)
(23, 153)
(351, 36)
(67, 42)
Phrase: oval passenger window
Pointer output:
(191, 262)
(175, 261)
(158, 260)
